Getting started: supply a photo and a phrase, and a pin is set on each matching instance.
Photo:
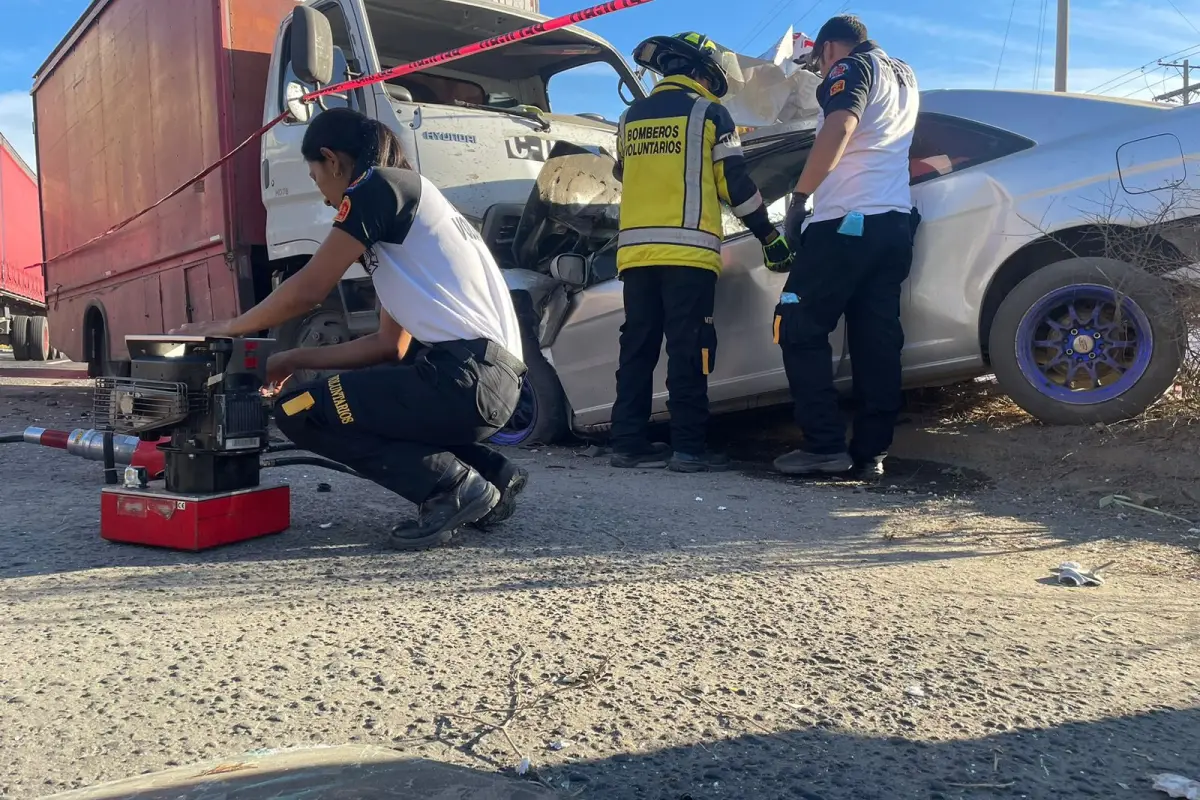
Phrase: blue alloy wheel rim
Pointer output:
(524, 417)
(1084, 344)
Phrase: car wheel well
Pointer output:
(1137, 246)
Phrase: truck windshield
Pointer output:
(517, 74)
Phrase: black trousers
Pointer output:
(404, 426)
(678, 302)
(860, 277)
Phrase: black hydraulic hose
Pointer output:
(292, 461)
(12, 438)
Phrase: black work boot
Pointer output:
(870, 469)
(800, 462)
(461, 497)
(511, 482)
(707, 462)
(655, 455)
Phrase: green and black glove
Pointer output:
(777, 255)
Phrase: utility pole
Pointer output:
(1060, 50)
(1186, 92)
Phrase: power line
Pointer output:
(1105, 86)
(1183, 16)
(1004, 46)
(770, 20)
(762, 26)
(1037, 65)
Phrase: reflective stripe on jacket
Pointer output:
(680, 157)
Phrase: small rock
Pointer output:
(914, 691)
(559, 745)
(324, 487)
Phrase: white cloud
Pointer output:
(16, 123)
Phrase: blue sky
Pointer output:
(950, 43)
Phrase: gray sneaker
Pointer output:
(799, 462)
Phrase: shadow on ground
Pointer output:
(1109, 758)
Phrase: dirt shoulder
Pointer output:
(637, 635)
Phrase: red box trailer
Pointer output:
(140, 96)
(22, 282)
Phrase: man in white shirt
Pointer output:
(853, 252)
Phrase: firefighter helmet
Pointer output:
(685, 53)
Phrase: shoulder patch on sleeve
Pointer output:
(837, 87)
(343, 210)
(838, 71)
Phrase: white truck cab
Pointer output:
(480, 128)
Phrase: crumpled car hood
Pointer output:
(575, 203)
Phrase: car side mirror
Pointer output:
(311, 46)
(297, 108)
(570, 269)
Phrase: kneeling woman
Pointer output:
(416, 428)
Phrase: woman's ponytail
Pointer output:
(368, 142)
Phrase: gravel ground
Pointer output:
(635, 634)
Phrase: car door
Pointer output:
(748, 370)
(297, 217)
(959, 203)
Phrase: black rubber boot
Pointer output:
(799, 462)
(709, 462)
(512, 482)
(461, 497)
(655, 456)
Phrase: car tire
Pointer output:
(20, 337)
(38, 346)
(541, 416)
(1060, 327)
(321, 327)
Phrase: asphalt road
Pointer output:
(634, 634)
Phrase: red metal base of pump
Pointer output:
(192, 522)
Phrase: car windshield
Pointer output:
(775, 165)
(504, 78)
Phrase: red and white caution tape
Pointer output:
(367, 80)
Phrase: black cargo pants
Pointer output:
(860, 277)
(404, 425)
(678, 302)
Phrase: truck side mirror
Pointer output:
(311, 46)
(569, 269)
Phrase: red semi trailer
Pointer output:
(23, 324)
(140, 96)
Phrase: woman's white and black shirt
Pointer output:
(431, 269)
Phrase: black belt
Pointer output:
(484, 351)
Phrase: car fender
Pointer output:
(548, 301)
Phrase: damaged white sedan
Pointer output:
(1054, 228)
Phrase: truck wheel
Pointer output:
(541, 416)
(39, 339)
(20, 337)
(320, 328)
(1087, 340)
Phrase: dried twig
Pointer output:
(587, 679)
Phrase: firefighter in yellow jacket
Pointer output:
(679, 158)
